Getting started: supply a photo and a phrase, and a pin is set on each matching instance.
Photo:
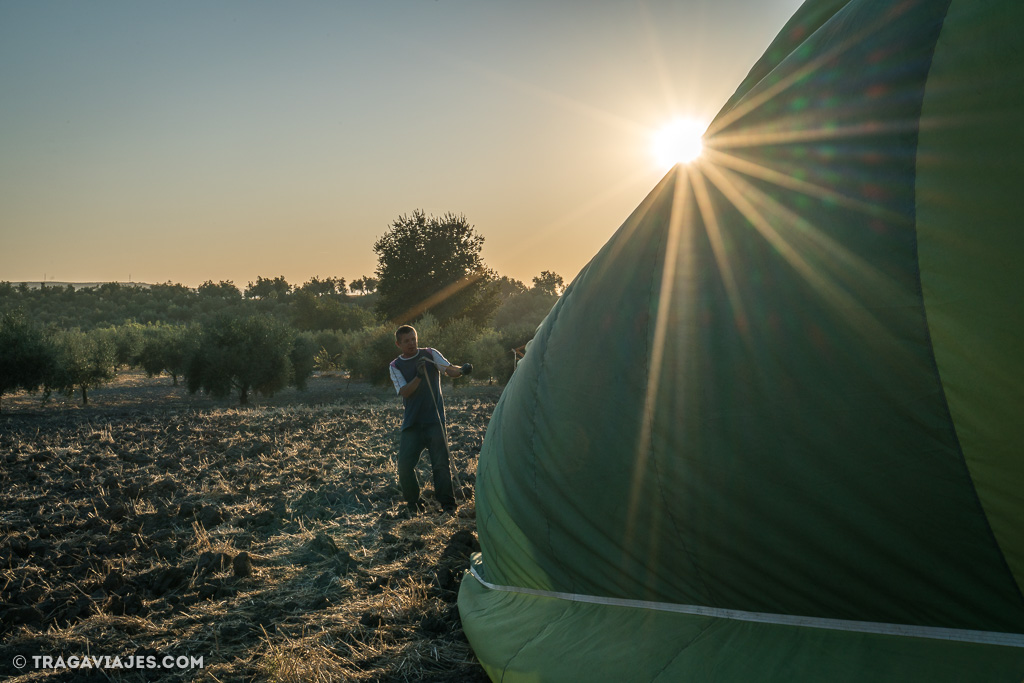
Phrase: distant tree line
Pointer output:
(317, 304)
(224, 340)
(227, 355)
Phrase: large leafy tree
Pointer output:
(26, 355)
(244, 354)
(433, 264)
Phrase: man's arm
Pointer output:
(443, 365)
(404, 389)
(409, 389)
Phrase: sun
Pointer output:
(679, 142)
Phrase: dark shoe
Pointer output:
(415, 508)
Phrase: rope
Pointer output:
(440, 418)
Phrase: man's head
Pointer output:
(406, 340)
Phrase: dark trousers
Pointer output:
(410, 446)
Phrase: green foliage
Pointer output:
(492, 354)
(516, 336)
(84, 360)
(430, 273)
(167, 348)
(26, 355)
(549, 283)
(127, 341)
(332, 342)
(490, 357)
(327, 286)
(265, 288)
(303, 358)
(455, 341)
(426, 263)
(318, 305)
(325, 361)
(326, 313)
(370, 352)
(527, 309)
(508, 287)
(427, 327)
(364, 285)
(224, 290)
(171, 294)
(108, 305)
(245, 354)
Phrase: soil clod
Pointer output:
(242, 565)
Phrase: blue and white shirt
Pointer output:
(423, 406)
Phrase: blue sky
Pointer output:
(191, 141)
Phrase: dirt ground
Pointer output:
(266, 540)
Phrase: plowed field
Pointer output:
(266, 540)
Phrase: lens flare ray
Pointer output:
(795, 246)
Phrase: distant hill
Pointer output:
(78, 285)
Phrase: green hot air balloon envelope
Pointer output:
(773, 430)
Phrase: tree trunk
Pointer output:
(174, 376)
(85, 396)
(244, 396)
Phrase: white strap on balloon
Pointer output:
(905, 630)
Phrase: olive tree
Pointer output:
(84, 360)
(26, 355)
(369, 352)
(167, 348)
(127, 342)
(245, 354)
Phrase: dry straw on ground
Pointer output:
(266, 540)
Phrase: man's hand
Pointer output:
(467, 368)
(421, 367)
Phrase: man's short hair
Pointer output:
(404, 330)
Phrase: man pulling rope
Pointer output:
(423, 425)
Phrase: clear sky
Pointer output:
(218, 140)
